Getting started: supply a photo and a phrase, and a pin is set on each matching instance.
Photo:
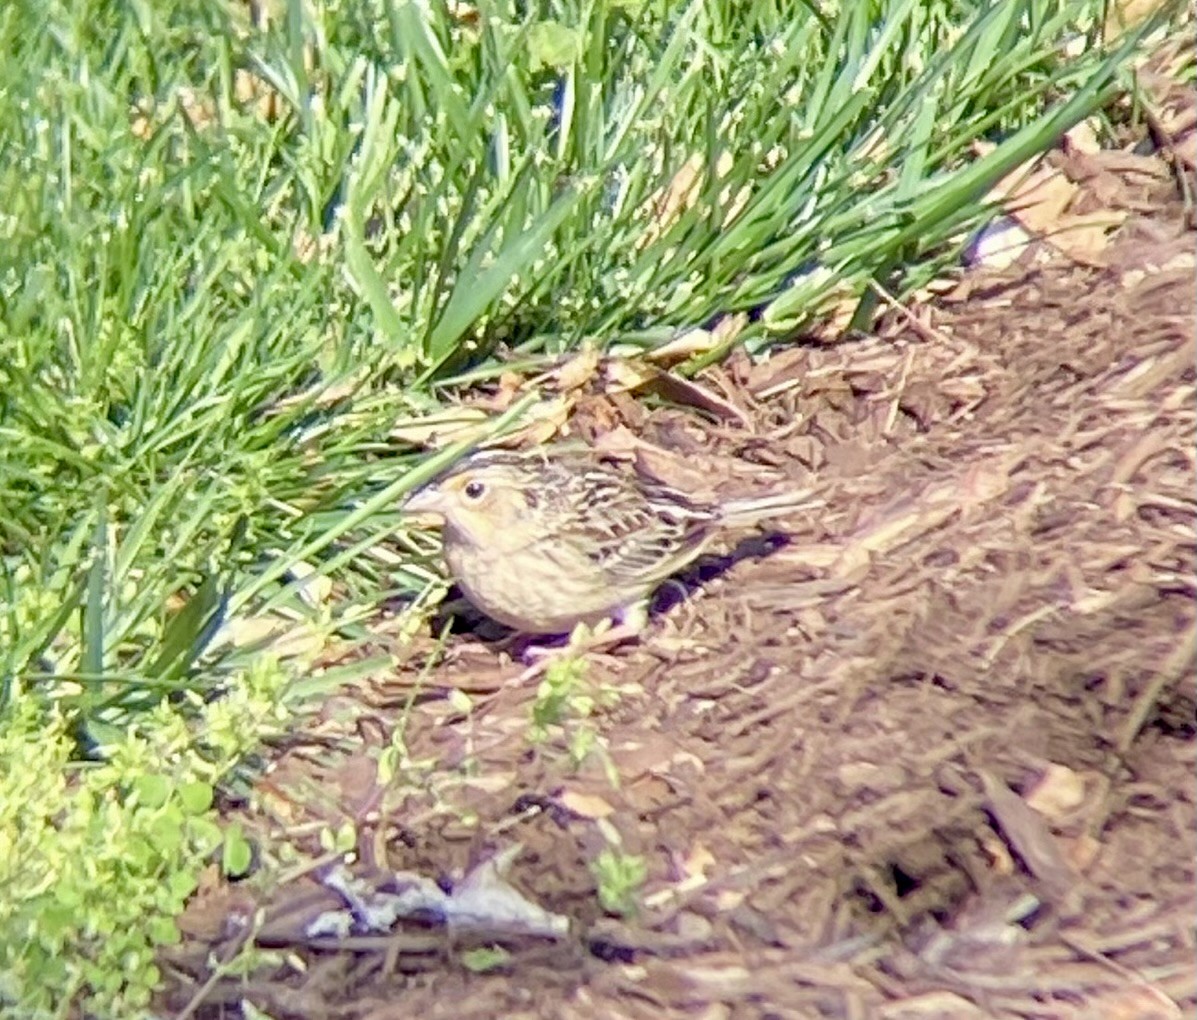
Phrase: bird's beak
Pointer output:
(428, 500)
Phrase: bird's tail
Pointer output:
(737, 512)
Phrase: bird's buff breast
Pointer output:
(530, 591)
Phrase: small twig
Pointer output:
(895, 406)
(308, 866)
(1178, 664)
(1029, 835)
(229, 955)
(1165, 140)
(921, 328)
(1126, 973)
(1014, 629)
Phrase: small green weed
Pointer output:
(619, 877)
(565, 703)
(562, 695)
(97, 858)
(485, 959)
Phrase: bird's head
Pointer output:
(486, 500)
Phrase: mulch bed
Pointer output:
(929, 756)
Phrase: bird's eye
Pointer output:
(474, 490)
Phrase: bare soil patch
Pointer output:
(932, 756)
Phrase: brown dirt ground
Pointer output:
(931, 757)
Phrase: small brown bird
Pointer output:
(544, 540)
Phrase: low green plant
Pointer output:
(619, 877)
(98, 858)
(485, 959)
(564, 694)
(565, 703)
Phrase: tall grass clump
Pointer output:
(236, 252)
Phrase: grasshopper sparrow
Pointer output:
(544, 540)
